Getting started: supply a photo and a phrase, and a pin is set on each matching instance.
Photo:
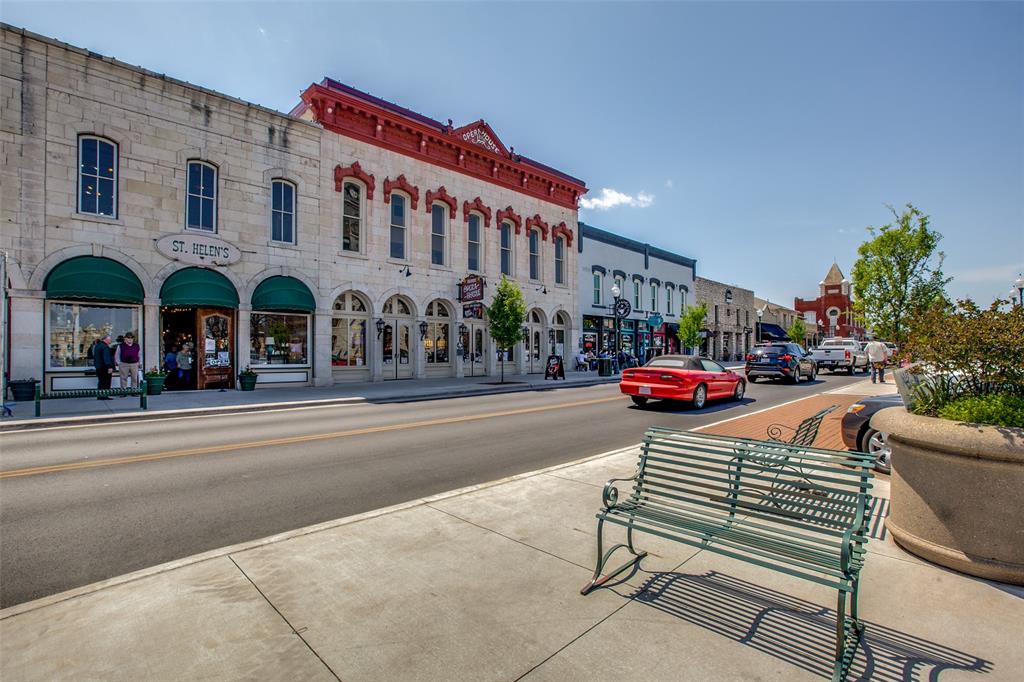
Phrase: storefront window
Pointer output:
(435, 343)
(75, 328)
(278, 339)
(348, 332)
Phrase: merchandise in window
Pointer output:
(97, 177)
(282, 227)
(348, 332)
(75, 328)
(278, 339)
(351, 221)
(435, 343)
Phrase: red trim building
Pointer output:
(831, 314)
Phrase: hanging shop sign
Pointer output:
(198, 249)
(473, 311)
(471, 288)
(622, 308)
(655, 320)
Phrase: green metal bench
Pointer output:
(140, 391)
(794, 509)
(805, 432)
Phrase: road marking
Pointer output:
(188, 452)
(750, 414)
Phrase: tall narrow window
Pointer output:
(559, 260)
(506, 249)
(202, 197)
(618, 284)
(438, 218)
(352, 217)
(668, 302)
(636, 294)
(97, 177)
(473, 242)
(654, 298)
(282, 211)
(397, 226)
(598, 286)
(534, 254)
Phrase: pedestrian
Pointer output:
(127, 359)
(185, 365)
(103, 361)
(878, 355)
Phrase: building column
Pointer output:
(321, 355)
(28, 345)
(522, 358)
(419, 361)
(152, 346)
(243, 340)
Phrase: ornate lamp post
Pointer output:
(616, 292)
(1019, 284)
(760, 314)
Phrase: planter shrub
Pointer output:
(998, 409)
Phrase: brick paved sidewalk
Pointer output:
(791, 414)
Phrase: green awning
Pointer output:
(90, 278)
(283, 294)
(199, 286)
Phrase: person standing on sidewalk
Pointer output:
(127, 359)
(878, 355)
(185, 365)
(103, 361)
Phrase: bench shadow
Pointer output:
(682, 407)
(796, 631)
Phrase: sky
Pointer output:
(760, 138)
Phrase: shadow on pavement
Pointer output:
(796, 631)
(681, 407)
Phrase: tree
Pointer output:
(505, 317)
(691, 321)
(898, 274)
(798, 331)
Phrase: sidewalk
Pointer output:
(482, 584)
(177, 403)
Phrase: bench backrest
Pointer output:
(814, 492)
(807, 431)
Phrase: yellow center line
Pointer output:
(188, 452)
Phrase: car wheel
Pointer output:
(851, 369)
(700, 396)
(877, 443)
(638, 400)
(740, 390)
(752, 380)
(814, 372)
(796, 375)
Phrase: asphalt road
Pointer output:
(86, 503)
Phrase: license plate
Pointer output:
(645, 390)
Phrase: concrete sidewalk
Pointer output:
(178, 403)
(482, 584)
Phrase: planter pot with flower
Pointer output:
(247, 380)
(155, 381)
(23, 390)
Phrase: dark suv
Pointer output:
(780, 361)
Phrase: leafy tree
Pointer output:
(691, 321)
(898, 274)
(505, 317)
(798, 331)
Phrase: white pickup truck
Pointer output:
(840, 354)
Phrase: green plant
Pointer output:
(155, 373)
(797, 331)
(691, 320)
(998, 409)
(247, 372)
(505, 317)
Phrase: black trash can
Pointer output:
(604, 367)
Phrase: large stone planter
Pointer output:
(956, 496)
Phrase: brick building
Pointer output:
(831, 314)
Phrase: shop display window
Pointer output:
(279, 339)
(75, 327)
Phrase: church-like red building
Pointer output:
(831, 314)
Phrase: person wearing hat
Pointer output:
(126, 357)
(103, 361)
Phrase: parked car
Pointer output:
(858, 434)
(787, 361)
(841, 355)
(681, 377)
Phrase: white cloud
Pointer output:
(262, 31)
(669, 183)
(989, 274)
(610, 198)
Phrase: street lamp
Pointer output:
(760, 314)
(616, 292)
(1019, 284)
(380, 326)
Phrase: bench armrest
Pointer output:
(775, 431)
(855, 533)
(610, 494)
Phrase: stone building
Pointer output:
(330, 244)
(731, 319)
(831, 313)
(774, 321)
(655, 282)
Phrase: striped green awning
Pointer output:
(199, 286)
(283, 294)
(90, 278)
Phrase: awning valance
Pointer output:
(283, 294)
(773, 332)
(90, 278)
(199, 286)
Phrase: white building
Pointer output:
(655, 282)
(325, 245)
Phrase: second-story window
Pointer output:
(534, 254)
(201, 208)
(398, 226)
(282, 211)
(473, 243)
(352, 217)
(654, 298)
(598, 287)
(668, 301)
(559, 260)
(506, 249)
(636, 294)
(97, 176)
(438, 234)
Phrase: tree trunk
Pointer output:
(502, 366)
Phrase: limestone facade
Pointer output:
(731, 319)
(53, 94)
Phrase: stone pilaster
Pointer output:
(321, 351)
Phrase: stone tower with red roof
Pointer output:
(832, 310)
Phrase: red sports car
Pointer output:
(681, 377)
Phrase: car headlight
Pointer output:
(855, 408)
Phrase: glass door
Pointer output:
(397, 349)
(472, 342)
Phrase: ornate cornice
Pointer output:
(442, 195)
(511, 215)
(354, 171)
(401, 183)
(561, 229)
(476, 205)
(536, 221)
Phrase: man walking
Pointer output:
(127, 359)
(878, 355)
(103, 361)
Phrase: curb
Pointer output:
(122, 417)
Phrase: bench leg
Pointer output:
(602, 559)
(849, 632)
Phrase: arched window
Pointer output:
(473, 243)
(435, 341)
(534, 254)
(398, 220)
(352, 217)
(349, 323)
(438, 234)
(282, 211)
(97, 176)
(201, 206)
(397, 305)
(559, 260)
(506, 248)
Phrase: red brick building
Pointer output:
(831, 314)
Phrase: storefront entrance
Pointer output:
(397, 342)
(198, 347)
(536, 355)
(473, 349)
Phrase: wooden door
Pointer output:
(216, 348)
